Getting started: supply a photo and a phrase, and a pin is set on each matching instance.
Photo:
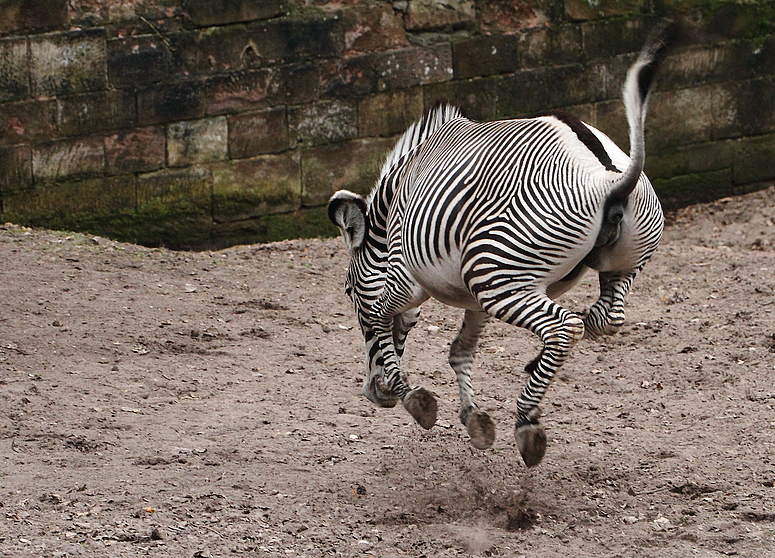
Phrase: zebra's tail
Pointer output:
(636, 91)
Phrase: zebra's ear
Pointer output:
(348, 212)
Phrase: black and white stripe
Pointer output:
(499, 218)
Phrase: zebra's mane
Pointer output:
(418, 133)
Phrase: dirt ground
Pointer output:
(208, 404)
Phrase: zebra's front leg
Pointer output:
(419, 402)
(480, 427)
(606, 315)
(560, 330)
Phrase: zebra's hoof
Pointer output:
(531, 441)
(421, 404)
(481, 430)
(376, 396)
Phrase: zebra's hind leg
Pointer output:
(606, 315)
(480, 427)
(560, 330)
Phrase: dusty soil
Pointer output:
(208, 404)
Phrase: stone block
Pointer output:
(479, 99)
(372, 27)
(510, 16)
(298, 84)
(70, 62)
(203, 13)
(575, 84)
(294, 39)
(679, 117)
(140, 60)
(754, 159)
(611, 119)
(551, 46)
(102, 111)
(388, 114)
(683, 190)
(15, 168)
(136, 150)
(353, 165)
(157, 104)
(216, 49)
(583, 10)
(14, 70)
(97, 205)
(323, 122)
(255, 187)
(22, 16)
(309, 222)
(423, 15)
(702, 64)
(239, 91)
(414, 66)
(606, 38)
(386, 71)
(197, 141)
(27, 121)
(523, 94)
(68, 159)
(185, 191)
(258, 133)
(745, 108)
(689, 159)
(485, 55)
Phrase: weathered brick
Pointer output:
(575, 84)
(239, 91)
(162, 103)
(137, 150)
(203, 13)
(255, 187)
(606, 38)
(485, 55)
(257, 133)
(68, 159)
(416, 66)
(353, 165)
(702, 64)
(298, 83)
(689, 159)
(14, 70)
(582, 10)
(197, 141)
(682, 190)
(216, 49)
(15, 167)
(27, 120)
(372, 27)
(679, 117)
(743, 108)
(423, 15)
(103, 111)
(479, 99)
(20, 16)
(140, 60)
(386, 71)
(509, 16)
(754, 160)
(183, 192)
(611, 119)
(323, 122)
(388, 114)
(524, 94)
(293, 39)
(85, 205)
(71, 62)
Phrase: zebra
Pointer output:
(499, 218)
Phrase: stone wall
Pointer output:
(204, 123)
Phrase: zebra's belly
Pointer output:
(443, 282)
